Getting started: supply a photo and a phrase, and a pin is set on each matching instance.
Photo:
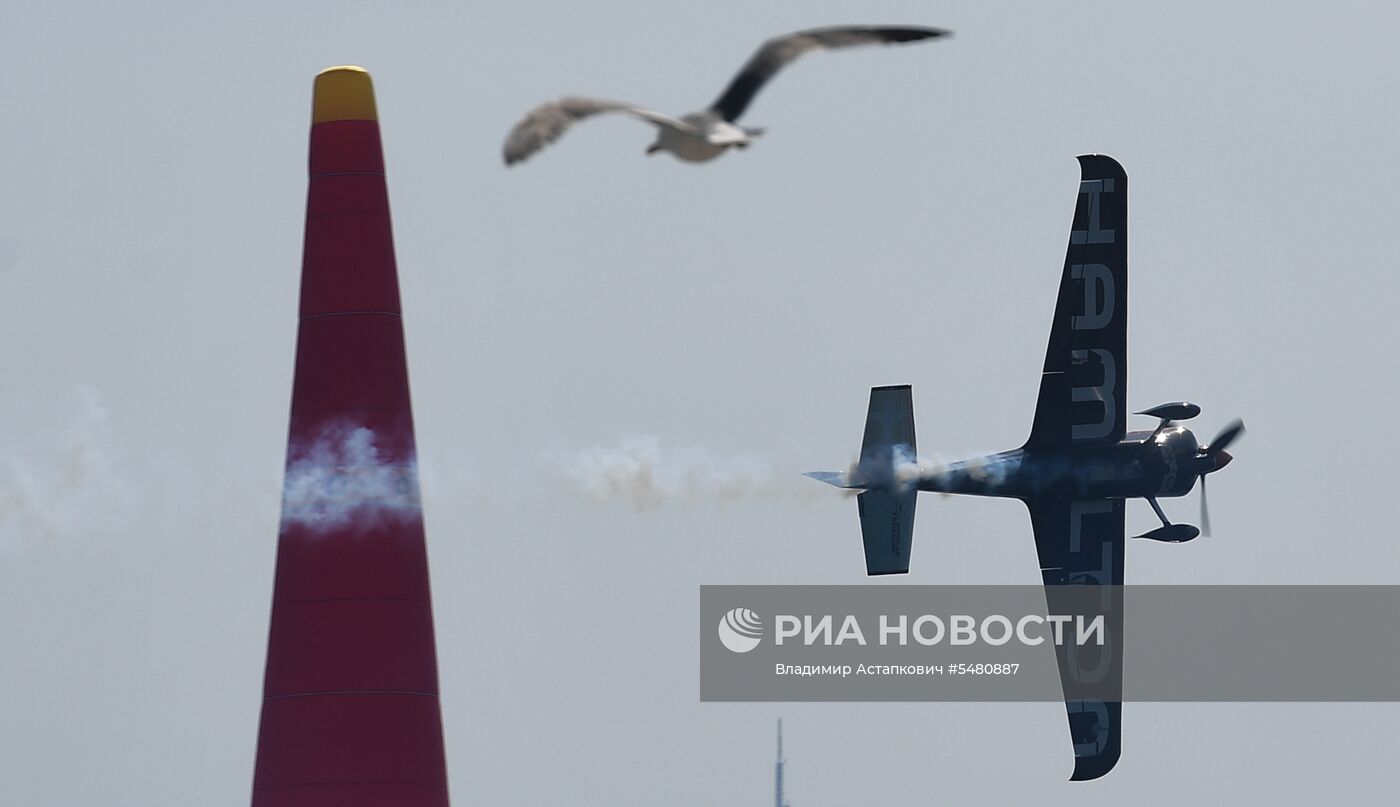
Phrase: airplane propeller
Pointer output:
(1226, 436)
(1205, 509)
(1215, 450)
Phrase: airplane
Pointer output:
(1079, 465)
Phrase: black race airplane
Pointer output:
(1080, 463)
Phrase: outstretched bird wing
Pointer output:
(547, 122)
(780, 51)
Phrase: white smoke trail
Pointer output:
(640, 472)
(908, 468)
(901, 468)
(338, 480)
(75, 488)
(979, 467)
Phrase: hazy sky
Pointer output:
(903, 221)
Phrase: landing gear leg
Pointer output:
(1158, 509)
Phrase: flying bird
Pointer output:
(704, 135)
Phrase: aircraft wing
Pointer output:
(1083, 387)
(1080, 543)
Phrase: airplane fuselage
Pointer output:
(1144, 464)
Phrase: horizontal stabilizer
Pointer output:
(887, 511)
(839, 479)
(886, 504)
(889, 426)
(887, 529)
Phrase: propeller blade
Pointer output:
(1205, 509)
(1226, 436)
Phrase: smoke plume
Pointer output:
(74, 488)
(640, 472)
(338, 480)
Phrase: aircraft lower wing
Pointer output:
(1080, 543)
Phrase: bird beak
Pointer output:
(652, 149)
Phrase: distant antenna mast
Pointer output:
(778, 799)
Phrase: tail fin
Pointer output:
(887, 509)
(840, 479)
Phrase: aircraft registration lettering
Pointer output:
(1103, 393)
(1098, 308)
(1093, 571)
(1100, 305)
(1078, 509)
(897, 530)
(1094, 234)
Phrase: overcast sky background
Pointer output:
(903, 221)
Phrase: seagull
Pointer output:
(702, 136)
